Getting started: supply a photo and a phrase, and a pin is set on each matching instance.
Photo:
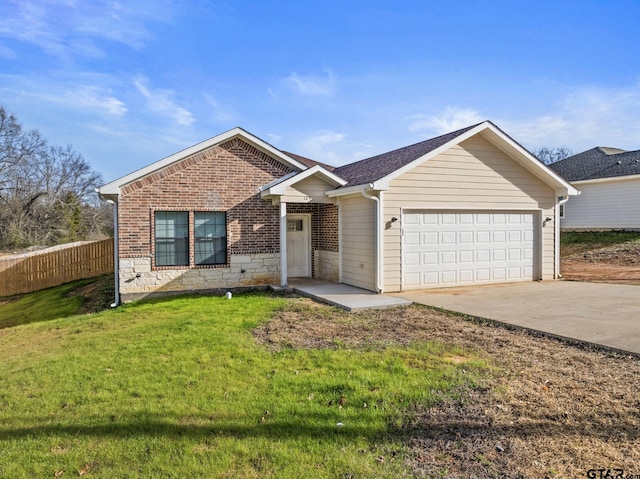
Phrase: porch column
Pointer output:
(283, 244)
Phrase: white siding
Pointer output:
(474, 175)
(358, 241)
(609, 205)
(309, 190)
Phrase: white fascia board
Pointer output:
(606, 180)
(348, 191)
(280, 187)
(264, 188)
(113, 188)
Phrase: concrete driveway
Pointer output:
(601, 313)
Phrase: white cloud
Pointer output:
(451, 119)
(90, 97)
(311, 85)
(160, 102)
(64, 28)
(6, 52)
(332, 148)
(96, 99)
(218, 112)
(587, 117)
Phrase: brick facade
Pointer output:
(222, 178)
(324, 224)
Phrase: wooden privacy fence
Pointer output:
(30, 272)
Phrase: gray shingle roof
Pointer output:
(308, 161)
(599, 162)
(372, 169)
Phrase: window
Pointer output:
(294, 225)
(172, 238)
(210, 237)
(562, 211)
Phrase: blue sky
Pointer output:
(128, 83)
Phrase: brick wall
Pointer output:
(324, 224)
(221, 178)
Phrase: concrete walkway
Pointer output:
(605, 314)
(345, 296)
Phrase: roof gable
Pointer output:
(279, 187)
(599, 163)
(373, 169)
(380, 170)
(112, 189)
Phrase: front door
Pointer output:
(298, 246)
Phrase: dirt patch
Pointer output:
(617, 263)
(553, 410)
(579, 270)
(97, 295)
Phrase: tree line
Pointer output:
(47, 192)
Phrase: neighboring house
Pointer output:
(609, 183)
(469, 207)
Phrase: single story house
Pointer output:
(609, 182)
(468, 207)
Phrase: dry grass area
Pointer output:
(619, 263)
(550, 409)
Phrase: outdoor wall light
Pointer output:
(394, 219)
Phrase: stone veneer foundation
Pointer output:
(138, 279)
(326, 265)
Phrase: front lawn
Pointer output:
(180, 388)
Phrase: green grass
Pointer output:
(600, 238)
(578, 242)
(179, 388)
(58, 302)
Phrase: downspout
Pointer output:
(557, 236)
(116, 261)
(378, 237)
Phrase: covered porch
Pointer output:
(309, 225)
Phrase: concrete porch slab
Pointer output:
(345, 296)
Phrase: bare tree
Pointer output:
(47, 192)
(548, 155)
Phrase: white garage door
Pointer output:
(446, 248)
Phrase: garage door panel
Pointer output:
(449, 277)
(498, 255)
(430, 237)
(498, 274)
(465, 237)
(430, 279)
(514, 255)
(430, 258)
(466, 276)
(483, 275)
(448, 237)
(483, 236)
(449, 248)
(483, 255)
(465, 257)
